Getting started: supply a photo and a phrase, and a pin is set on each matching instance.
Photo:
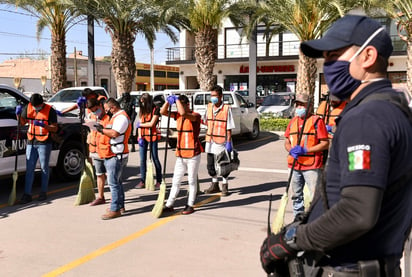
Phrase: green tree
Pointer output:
(307, 19)
(401, 12)
(203, 19)
(123, 21)
(59, 19)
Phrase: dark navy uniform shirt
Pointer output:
(372, 147)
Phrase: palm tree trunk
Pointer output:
(123, 61)
(206, 55)
(306, 75)
(409, 66)
(58, 62)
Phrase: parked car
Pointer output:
(279, 104)
(67, 156)
(67, 97)
(244, 114)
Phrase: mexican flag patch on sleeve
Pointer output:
(359, 157)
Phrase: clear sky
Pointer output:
(18, 36)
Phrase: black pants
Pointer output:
(211, 165)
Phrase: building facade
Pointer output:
(165, 77)
(277, 61)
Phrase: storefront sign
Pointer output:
(269, 68)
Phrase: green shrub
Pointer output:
(273, 123)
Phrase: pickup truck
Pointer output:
(244, 114)
(67, 156)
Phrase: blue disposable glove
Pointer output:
(81, 101)
(328, 128)
(141, 142)
(297, 151)
(229, 147)
(172, 99)
(39, 123)
(19, 109)
(138, 125)
(59, 113)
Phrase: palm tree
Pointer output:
(124, 20)
(59, 19)
(401, 12)
(203, 19)
(307, 19)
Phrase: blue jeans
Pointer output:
(114, 167)
(155, 159)
(33, 153)
(312, 178)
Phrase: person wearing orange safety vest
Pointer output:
(148, 137)
(329, 109)
(219, 121)
(188, 150)
(308, 153)
(97, 114)
(114, 149)
(42, 120)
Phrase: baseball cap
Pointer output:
(346, 31)
(302, 98)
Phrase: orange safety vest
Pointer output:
(217, 125)
(37, 132)
(309, 139)
(93, 139)
(325, 108)
(145, 132)
(188, 144)
(105, 144)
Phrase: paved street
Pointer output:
(222, 238)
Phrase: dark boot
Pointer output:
(214, 187)
(225, 190)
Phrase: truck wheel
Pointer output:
(71, 161)
(172, 143)
(255, 131)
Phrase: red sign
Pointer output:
(269, 68)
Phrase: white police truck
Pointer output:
(67, 156)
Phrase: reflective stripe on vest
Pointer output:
(217, 125)
(186, 138)
(37, 132)
(93, 139)
(324, 109)
(145, 132)
(309, 139)
(106, 144)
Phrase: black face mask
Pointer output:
(109, 113)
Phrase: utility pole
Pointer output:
(75, 67)
(252, 66)
(152, 82)
(90, 51)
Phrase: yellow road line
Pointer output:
(120, 242)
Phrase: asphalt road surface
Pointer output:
(222, 237)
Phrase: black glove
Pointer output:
(99, 128)
(275, 252)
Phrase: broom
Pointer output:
(149, 180)
(158, 207)
(280, 215)
(12, 197)
(87, 181)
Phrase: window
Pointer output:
(141, 72)
(159, 73)
(174, 75)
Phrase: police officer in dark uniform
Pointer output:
(359, 227)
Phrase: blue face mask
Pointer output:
(337, 75)
(301, 111)
(214, 99)
(38, 109)
(340, 83)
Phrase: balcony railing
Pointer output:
(273, 50)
